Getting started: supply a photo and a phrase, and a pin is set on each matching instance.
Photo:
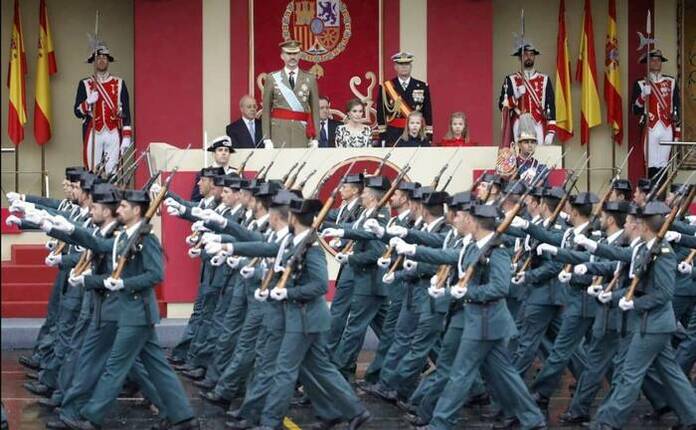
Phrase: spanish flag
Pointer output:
(45, 67)
(564, 101)
(17, 112)
(586, 74)
(612, 78)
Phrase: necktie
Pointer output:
(323, 138)
(252, 129)
(404, 85)
(292, 80)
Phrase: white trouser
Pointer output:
(537, 126)
(658, 155)
(108, 142)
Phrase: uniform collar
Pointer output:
(235, 209)
(482, 242)
(206, 201)
(579, 229)
(403, 215)
(529, 73)
(131, 230)
(296, 72)
(105, 228)
(280, 234)
(404, 81)
(297, 239)
(635, 242)
(613, 237)
(429, 228)
(351, 204)
(261, 221)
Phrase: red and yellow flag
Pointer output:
(586, 74)
(564, 101)
(612, 78)
(17, 112)
(45, 67)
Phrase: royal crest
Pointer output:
(323, 28)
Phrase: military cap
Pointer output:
(554, 193)
(654, 53)
(654, 207)
(74, 175)
(284, 197)
(221, 142)
(675, 188)
(305, 206)
(377, 183)
(220, 181)
(354, 178)
(136, 196)
(527, 128)
(645, 184)
(238, 183)
(403, 57)
(435, 198)
(622, 185)
(100, 49)
(517, 187)
(211, 172)
(253, 184)
(633, 209)
(78, 169)
(492, 178)
(419, 193)
(290, 46)
(460, 201)
(620, 207)
(105, 193)
(525, 46)
(583, 198)
(408, 187)
(538, 192)
(267, 189)
(485, 211)
(88, 180)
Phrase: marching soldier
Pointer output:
(661, 116)
(528, 91)
(102, 104)
(398, 97)
(290, 103)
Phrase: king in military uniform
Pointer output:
(290, 103)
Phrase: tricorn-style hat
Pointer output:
(583, 198)
(136, 196)
(485, 211)
(654, 207)
(654, 53)
(305, 206)
(378, 183)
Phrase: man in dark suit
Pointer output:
(327, 125)
(246, 131)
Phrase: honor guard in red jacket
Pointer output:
(530, 91)
(102, 104)
(663, 116)
(398, 97)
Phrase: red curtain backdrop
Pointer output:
(637, 15)
(168, 87)
(360, 55)
(461, 78)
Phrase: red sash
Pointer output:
(398, 123)
(292, 115)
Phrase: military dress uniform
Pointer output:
(396, 99)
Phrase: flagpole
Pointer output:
(16, 168)
(43, 171)
(589, 159)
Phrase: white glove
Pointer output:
(373, 226)
(548, 140)
(52, 260)
(580, 269)
(519, 222)
(46, 226)
(191, 240)
(685, 268)
(233, 262)
(645, 91)
(22, 206)
(218, 259)
(333, 232)
(397, 230)
(604, 297)
(199, 226)
(211, 237)
(174, 211)
(435, 292)
(313, 144)
(213, 247)
(383, 262)
(247, 272)
(585, 242)
(410, 265)
(341, 257)
(564, 276)
(458, 292)
(77, 281)
(519, 278)
(404, 248)
(125, 144)
(279, 294)
(625, 305)
(113, 284)
(12, 197)
(92, 97)
(388, 278)
(673, 236)
(260, 295)
(434, 280)
(336, 243)
(155, 188)
(545, 247)
(691, 219)
(214, 216)
(268, 144)
(198, 212)
(194, 252)
(34, 217)
(174, 208)
(13, 220)
(521, 91)
(594, 290)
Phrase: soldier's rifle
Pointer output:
(451, 176)
(383, 161)
(309, 239)
(120, 168)
(127, 171)
(500, 230)
(267, 168)
(293, 178)
(302, 184)
(656, 191)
